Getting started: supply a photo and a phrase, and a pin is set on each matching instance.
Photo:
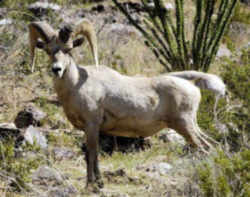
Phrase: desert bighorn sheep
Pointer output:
(102, 100)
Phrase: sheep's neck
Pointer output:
(72, 75)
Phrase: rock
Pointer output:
(119, 172)
(8, 130)
(30, 135)
(95, 1)
(121, 30)
(151, 5)
(120, 177)
(3, 12)
(59, 121)
(237, 29)
(62, 192)
(34, 136)
(46, 175)
(99, 8)
(70, 16)
(170, 135)
(247, 2)
(246, 46)
(6, 21)
(233, 127)
(223, 52)
(40, 9)
(163, 168)
(222, 128)
(8, 126)
(169, 6)
(156, 168)
(63, 153)
(31, 115)
(133, 6)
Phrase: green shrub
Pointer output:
(237, 78)
(16, 3)
(241, 14)
(225, 175)
(17, 169)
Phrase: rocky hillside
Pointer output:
(42, 155)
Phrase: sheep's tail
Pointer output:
(203, 80)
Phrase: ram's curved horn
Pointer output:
(86, 28)
(38, 30)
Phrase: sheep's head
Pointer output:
(60, 55)
(58, 44)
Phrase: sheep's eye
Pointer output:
(48, 51)
(66, 50)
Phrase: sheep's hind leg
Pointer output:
(205, 136)
(189, 130)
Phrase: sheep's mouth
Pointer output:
(57, 71)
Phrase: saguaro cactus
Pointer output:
(167, 37)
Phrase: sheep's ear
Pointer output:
(64, 33)
(78, 42)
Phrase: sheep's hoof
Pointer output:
(93, 188)
(100, 183)
(187, 149)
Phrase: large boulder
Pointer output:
(30, 115)
(247, 2)
(68, 191)
(8, 130)
(47, 175)
(63, 153)
(5, 21)
(223, 52)
(34, 136)
(171, 136)
(40, 8)
(167, 6)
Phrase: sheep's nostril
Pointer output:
(55, 70)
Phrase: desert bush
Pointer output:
(16, 170)
(237, 78)
(241, 14)
(225, 175)
(16, 3)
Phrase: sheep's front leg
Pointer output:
(98, 174)
(93, 173)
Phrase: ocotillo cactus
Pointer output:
(167, 39)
